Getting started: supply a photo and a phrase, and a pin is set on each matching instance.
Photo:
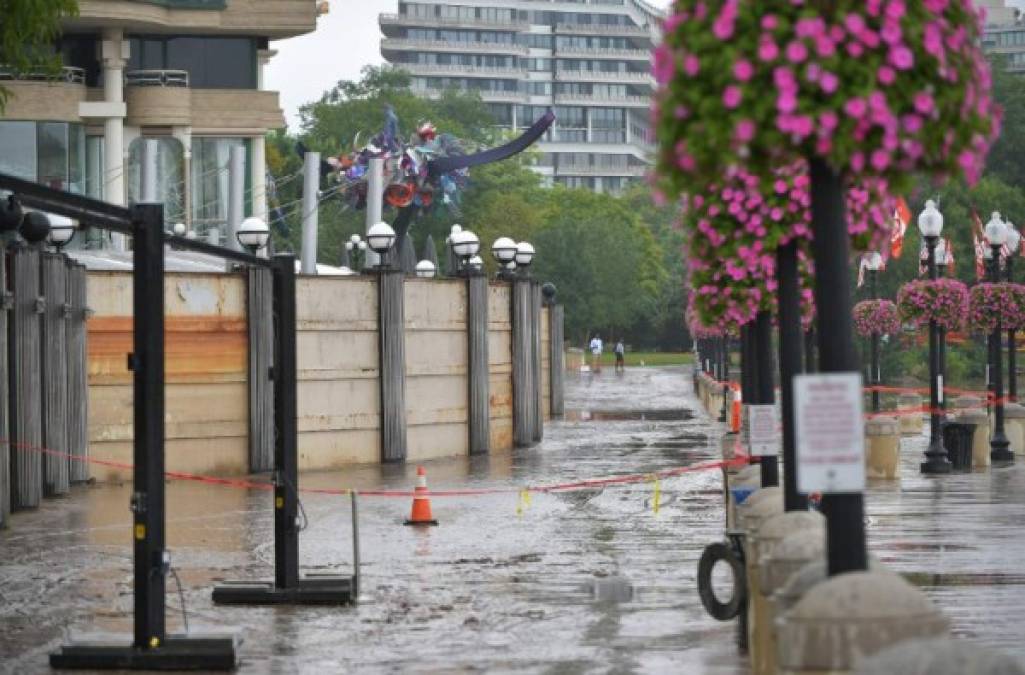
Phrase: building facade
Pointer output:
(1004, 33)
(590, 60)
(187, 73)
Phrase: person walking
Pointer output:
(620, 351)
(596, 349)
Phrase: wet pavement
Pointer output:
(581, 582)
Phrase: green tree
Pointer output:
(27, 31)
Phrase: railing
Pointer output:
(632, 101)
(510, 96)
(602, 29)
(68, 74)
(604, 52)
(468, 71)
(562, 74)
(433, 21)
(572, 170)
(157, 78)
(453, 46)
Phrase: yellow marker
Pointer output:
(140, 531)
(279, 502)
(154, 642)
(523, 502)
(658, 494)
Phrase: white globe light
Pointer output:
(524, 254)
(465, 243)
(455, 229)
(996, 230)
(62, 229)
(504, 249)
(253, 233)
(873, 261)
(476, 262)
(179, 229)
(425, 269)
(354, 239)
(380, 237)
(930, 221)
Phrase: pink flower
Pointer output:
(732, 96)
(829, 82)
(886, 75)
(691, 65)
(769, 22)
(924, 103)
(796, 52)
(856, 107)
(901, 58)
(743, 70)
(767, 49)
(745, 130)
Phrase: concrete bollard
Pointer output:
(850, 616)
(751, 515)
(1014, 427)
(776, 536)
(910, 424)
(940, 657)
(882, 448)
(980, 441)
(747, 478)
(967, 402)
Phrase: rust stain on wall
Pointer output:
(195, 346)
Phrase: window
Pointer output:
(539, 65)
(51, 153)
(502, 112)
(539, 41)
(79, 51)
(19, 158)
(212, 62)
(608, 125)
(170, 182)
(209, 180)
(539, 88)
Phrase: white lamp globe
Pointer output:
(425, 269)
(524, 254)
(930, 221)
(62, 229)
(476, 262)
(253, 233)
(996, 230)
(380, 237)
(873, 261)
(465, 243)
(503, 249)
(179, 229)
(354, 239)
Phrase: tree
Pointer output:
(27, 30)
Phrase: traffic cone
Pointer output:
(421, 514)
(735, 417)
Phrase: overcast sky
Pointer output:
(346, 39)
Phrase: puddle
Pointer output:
(667, 415)
(964, 579)
(612, 590)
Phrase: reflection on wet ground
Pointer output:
(589, 581)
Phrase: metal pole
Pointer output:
(765, 387)
(845, 513)
(936, 453)
(999, 445)
(311, 188)
(148, 171)
(147, 362)
(809, 350)
(874, 377)
(286, 468)
(1012, 346)
(375, 205)
(789, 365)
(941, 338)
(236, 198)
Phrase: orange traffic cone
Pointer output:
(421, 514)
(735, 416)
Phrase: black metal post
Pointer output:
(845, 513)
(724, 374)
(936, 453)
(1012, 345)
(874, 377)
(941, 338)
(999, 445)
(746, 365)
(809, 350)
(790, 341)
(765, 389)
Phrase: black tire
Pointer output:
(713, 553)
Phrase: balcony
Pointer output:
(225, 111)
(462, 71)
(401, 20)
(156, 78)
(603, 29)
(487, 96)
(604, 53)
(597, 99)
(45, 96)
(563, 75)
(405, 44)
(275, 19)
(626, 171)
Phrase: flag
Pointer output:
(979, 237)
(901, 218)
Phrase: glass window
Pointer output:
(52, 145)
(209, 181)
(170, 180)
(76, 159)
(212, 62)
(18, 139)
(94, 171)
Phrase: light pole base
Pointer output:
(1001, 455)
(176, 652)
(936, 459)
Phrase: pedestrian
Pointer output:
(596, 349)
(620, 356)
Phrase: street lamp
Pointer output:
(874, 263)
(253, 234)
(62, 231)
(380, 238)
(524, 256)
(355, 248)
(451, 264)
(504, 252)
(941, 254)
(999, 447)
(425, 269)
(465, 244)
(476, 264)
(1013, 243)
(178, 230)
(930, 224)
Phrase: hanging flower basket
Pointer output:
(993, 303)
(698, 329)
(870, 87)
(876, 317)
(944, 301)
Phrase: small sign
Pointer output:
(762, 430)
(939, 388)
(830, 433)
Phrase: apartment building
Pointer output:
(587, 59)
(187, 73)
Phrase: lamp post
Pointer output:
(1013, 242)
(451, 262)
(930, 224)
(941, 254)
(62, 231)
(504, 252)
(465, 244)
(253, 234)
(524, 256)
(355, 248)
(874, 263)
(999, 446)
(425, 269)
(380, 238)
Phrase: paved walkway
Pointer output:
(581, 582)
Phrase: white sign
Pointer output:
(762, 430)
(939, 389)
(830, 433)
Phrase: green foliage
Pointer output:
(27, 30)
